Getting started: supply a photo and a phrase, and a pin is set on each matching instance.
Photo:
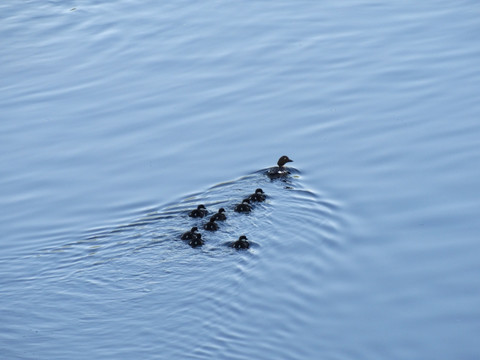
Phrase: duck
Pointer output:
(199, 212)
(258, 196)
(220, 216)
(244, 207)
(197, 241)
(190, 234)
(241, 243)
(280, 170)
(211, 225)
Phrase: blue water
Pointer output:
(117, 118)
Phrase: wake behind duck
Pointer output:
(246, 206)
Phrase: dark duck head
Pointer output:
(244, 207)
(258, 196)
(241, 243)
(211, 225)
(199, 212)
(283, 160)
(220, 216)
(197, 241)
(190, 234)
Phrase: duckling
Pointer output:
(197, 241)
(190, 234)
(258, 196)
(211, 225)
(199, 212)
(241, 243)
(220, 216)
(244, 207)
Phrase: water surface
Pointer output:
(117, 118)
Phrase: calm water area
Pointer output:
(118, 117)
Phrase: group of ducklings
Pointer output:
(195, 238)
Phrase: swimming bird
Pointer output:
(199, 212)
(211, 225)
(190, 234)
(244, 207)
(220, 216)
(280, 170)
(241, 243)
(258, 196)
(197, 241)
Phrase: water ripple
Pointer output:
(144, 261)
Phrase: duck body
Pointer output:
(241, 243)
(220, 216)
(211, 225)
(190, 234)
(258, 196)
(244, 207)
(197, 241)
(199, 212)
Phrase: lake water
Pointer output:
(117, 118)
